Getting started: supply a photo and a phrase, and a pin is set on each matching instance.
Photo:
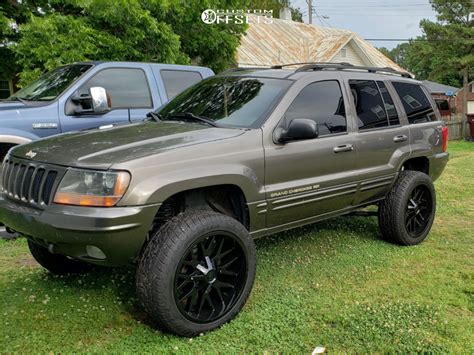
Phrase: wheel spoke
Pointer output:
(187, 295)
(222, 284)
(227, 264)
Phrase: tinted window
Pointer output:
(128, 88)
(233, 101)
(177, 81)
(321, 102)
(415, 102)
(389, 106)
(369, 104)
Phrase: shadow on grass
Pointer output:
(361, 227)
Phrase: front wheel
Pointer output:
(407, 213)
(196, 272)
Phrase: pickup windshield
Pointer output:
(52, 84)
(228, 101)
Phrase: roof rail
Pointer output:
(280, 66)
(231, 70)
(344, 66)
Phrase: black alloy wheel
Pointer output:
(210, 277)
(418, 211)
(196, 272)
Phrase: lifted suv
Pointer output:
(237, 156)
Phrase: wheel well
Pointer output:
(4, 148)
(225, 199)
(419, 164)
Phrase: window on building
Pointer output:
(322, 102)
(417, 105)
(389, 105)
(4, 89)
(127, 87)
(177, 81)
(443, 105)
(369, 104)
(343, 53)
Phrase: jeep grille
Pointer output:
(29, 182)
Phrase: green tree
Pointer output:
(445, 51)
(13, 13)
(94, 30)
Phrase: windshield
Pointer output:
(227, 101)
(52, 84)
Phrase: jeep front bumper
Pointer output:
(119, 232)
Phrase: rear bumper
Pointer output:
(437, 164)
(119, 232)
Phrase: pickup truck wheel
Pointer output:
(407, 213)
(196, 272)
(56, 263)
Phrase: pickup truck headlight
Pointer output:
(92, 188)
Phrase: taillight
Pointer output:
(445, 138)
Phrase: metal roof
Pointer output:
(284, 41)
(437, 88)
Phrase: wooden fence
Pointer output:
(455, 129)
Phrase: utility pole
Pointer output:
(310, 11)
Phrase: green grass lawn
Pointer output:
(334, 284)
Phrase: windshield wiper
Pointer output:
(154, 116)
(192, 117)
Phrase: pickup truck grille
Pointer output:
(29, 182)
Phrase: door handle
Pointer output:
(401, 138)
(343, 148)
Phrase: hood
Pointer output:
(11, 105)
(100, 148)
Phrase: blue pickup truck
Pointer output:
(61, 100)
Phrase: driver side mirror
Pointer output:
(298, 129)
(96, 102)
(100, 101)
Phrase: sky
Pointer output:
(371, 18)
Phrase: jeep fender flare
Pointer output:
(157, 189)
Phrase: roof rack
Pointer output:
(347, 66)
(231, 70)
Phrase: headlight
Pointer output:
(92, 188)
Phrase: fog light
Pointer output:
(95, 252)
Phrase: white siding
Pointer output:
(470, 107)
(351, 56)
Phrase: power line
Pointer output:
(415, 39)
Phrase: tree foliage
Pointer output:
(445, 48)
(39, 35)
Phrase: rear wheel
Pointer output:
(407, 213)
(56, 263)
(196, 272)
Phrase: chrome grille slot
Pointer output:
(29, 182)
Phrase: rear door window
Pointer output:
(417, 106)
(389, 105)
(176, 81)
(370, 107)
